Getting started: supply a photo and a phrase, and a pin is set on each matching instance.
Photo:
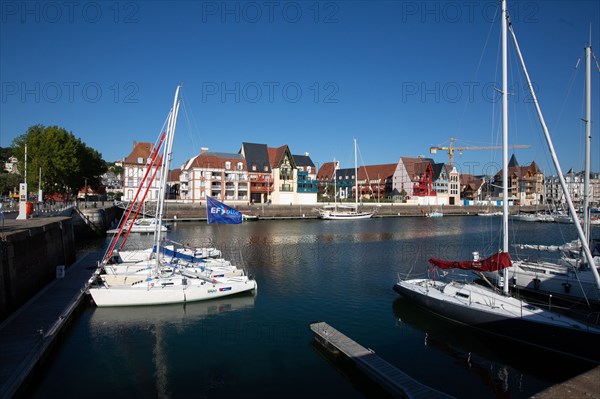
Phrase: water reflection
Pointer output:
(498, 363)
(178, 316)
(138, 341)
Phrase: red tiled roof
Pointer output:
(471, 182)
(411, 165)
(276, 154)
(140, 150)
(521, 172)
(372, 172)
(208, 160)
(466, 178)
(325, 171)
(174, 175)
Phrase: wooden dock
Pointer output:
(28, 335)
(393, 380)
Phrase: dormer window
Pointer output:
(140, 160)
(227, 165)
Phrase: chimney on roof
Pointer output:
(203, 150)
(306, 154)
(134, 143)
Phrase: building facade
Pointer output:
(135, 168)
(446, 184)
(414, 177)
(553, 192)
(376, 181)
(222, 176)
(525, 184)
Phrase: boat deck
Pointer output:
(395, 381)
(28, 334)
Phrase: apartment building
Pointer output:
(135, 167)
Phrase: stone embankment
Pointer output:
(180, 211)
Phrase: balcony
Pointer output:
(308, 189)
(308, 186)
(286, 188)
(235, 177)
(260, 178)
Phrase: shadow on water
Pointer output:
(497, 362)
(132, 347)
(346, 367)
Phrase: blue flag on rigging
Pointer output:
(217, 212)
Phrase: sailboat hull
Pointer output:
(341, 215)
(180, 290)
(507, 317)
(562, 281)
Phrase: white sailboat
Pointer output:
(143, 225)
(572, 278)
(486, 309)
(166, 282)
(345, 212)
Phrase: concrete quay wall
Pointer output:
(30, 251)
(182, 211)
(94, 220)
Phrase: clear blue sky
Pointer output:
(397, 76)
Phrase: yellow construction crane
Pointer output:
(451, 148)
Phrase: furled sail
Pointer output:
(496, 262)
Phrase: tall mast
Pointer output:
(561, 178)
(355, 177)
(504, 143)
(588, 139)
(165, 172)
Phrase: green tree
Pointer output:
(5, 153)
(9, 182)
(65, 161)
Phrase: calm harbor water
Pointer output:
(341, 272)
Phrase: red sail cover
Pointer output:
(494, 263)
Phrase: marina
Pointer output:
(308, 270)
(405, 290)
